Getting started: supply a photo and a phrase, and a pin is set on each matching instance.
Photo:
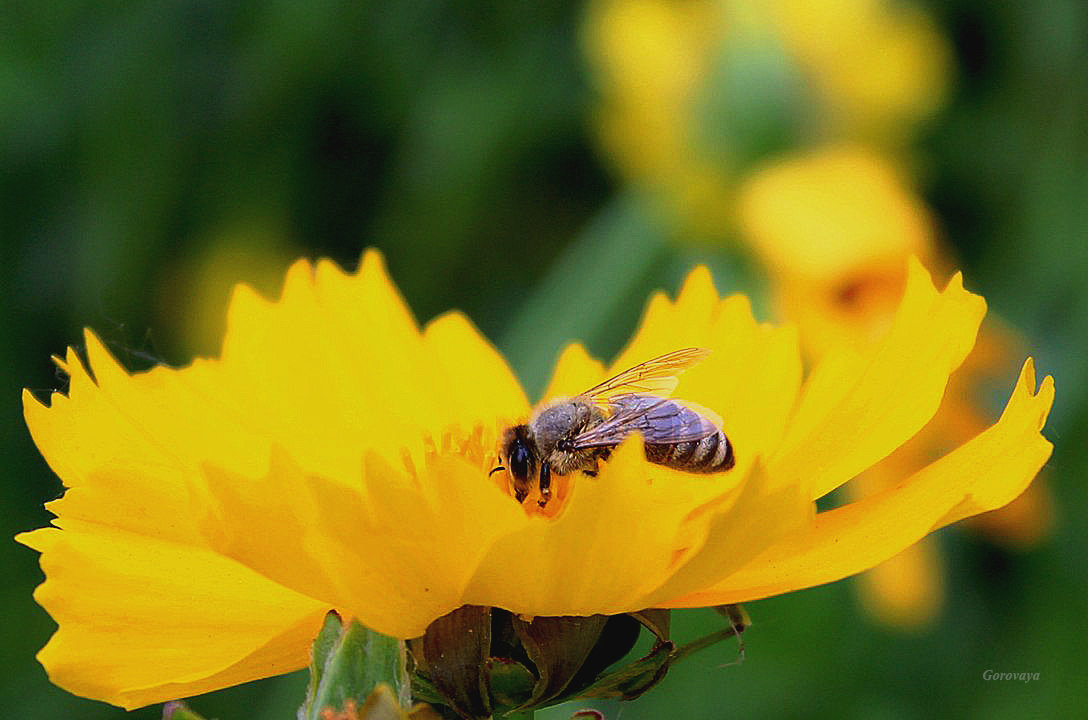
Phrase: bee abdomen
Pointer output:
(714, 453)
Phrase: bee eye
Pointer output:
(520, 457)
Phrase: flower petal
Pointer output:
(144, 620)
(395, 550)
(129, 552)
(831, 213)
(752, 375)
(124, 445)
(984, 474)
(133, 449)
(310, 375)
(478, 385)
(670, 325)
(739, 529)
(338, 365)
(855, 409)
(575, 371)
(594, 557)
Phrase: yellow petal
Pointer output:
(308, 371)
(741, 526)
(1023, 523)
(667, 325)
(752, 375)
(594, 557)
(128, 581)
(986, 473)
(827, 215)
(476, 383)
(125, 445)
(135, 450)
(394, 549)
(145, 620)
(905, 591)
(338, 366)
(575, 372)
(855, 409)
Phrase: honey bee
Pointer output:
(575, 433)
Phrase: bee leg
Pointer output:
(596, 468)
(545, 484)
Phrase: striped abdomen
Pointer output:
(675, 433)
(713, 453)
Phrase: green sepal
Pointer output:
(510, 683)
(636, 678)
(348, 663)
(557, 647)
(322, 648)
(454, 654)
(655, 620)
(424, 689)
(487, 662)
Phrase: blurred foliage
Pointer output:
(152, 153)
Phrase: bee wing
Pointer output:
(661, 421)
(656, 376)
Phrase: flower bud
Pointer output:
(483, 661)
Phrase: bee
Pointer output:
(575, 433)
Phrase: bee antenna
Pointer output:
(495, 470)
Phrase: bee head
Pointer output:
(518, 453)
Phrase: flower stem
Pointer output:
(702, 643)
(519, 715)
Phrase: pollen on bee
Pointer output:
(562, 485)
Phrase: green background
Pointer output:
(456, 137)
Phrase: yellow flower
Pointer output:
(692, 92)
(337, 455)
(651, 60)
(832, 228)
(195, 289)
(882, 67)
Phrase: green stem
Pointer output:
(519, 715)
(702, 643)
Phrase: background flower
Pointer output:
(789, 127)
(693, 94)
(832, 227)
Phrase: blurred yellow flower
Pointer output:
(881, 66)
(337, 455)
(195, 288)
(651, 59)
(692, 92)
(832, 228)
